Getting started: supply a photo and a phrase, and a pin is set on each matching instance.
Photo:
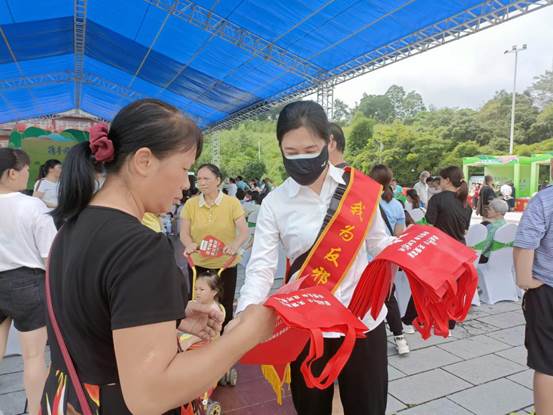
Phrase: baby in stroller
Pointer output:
(208, 289)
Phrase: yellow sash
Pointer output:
(332, 255)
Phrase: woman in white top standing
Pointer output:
(292, 215)
(47, 184)
(26, 233)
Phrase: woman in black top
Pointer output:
(449, 212)
(117, 293)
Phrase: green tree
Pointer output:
(378, 107)
(359, 134)
(543, 127)
(412, 104)
(495, 118)
(542, 89)
(342, 113)
(464, 149)
(396, 95)
(254, 170)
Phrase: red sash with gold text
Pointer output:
(331, 257)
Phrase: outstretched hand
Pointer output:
(202, 320)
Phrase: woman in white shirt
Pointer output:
(47, 186)
(26, 233)
(292, 215)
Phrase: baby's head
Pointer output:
(208, 287)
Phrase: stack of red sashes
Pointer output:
(441, 275)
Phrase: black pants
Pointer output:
(229, 287)
(394, 316)
(363, 382)
(411, 314)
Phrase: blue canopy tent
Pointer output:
(220, 61)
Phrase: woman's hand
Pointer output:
(231, 249)
(190, 248)
(202, 320)
(260, 319)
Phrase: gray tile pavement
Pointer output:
(498, 397)
(484, 369)
(480, 370)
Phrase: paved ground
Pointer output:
(479, 370)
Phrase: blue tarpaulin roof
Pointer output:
(214, 59)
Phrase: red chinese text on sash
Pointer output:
(337, 246)
(326, 265)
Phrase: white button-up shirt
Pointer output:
(293, 215)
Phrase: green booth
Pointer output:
(524, 172)
(42, 145)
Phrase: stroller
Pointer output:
(204, 405)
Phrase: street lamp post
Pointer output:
(515, 49)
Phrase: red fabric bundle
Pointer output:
(440, 271)
(303, 316)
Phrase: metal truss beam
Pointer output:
(325, 97)
(482, 16)
(67, 77)
(210, 22)
(79, 36)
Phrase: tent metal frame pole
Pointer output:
(325, 98)
(216, 149)
(207, 20)
(79, 38)
(482, 16)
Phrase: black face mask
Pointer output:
(306, 170)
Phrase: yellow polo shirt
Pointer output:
(151, 220)
(218, 221)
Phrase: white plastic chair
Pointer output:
(417, 214)
(476, 234)
(497, 277)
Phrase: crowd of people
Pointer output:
(84, 262)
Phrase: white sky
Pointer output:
(467, 72)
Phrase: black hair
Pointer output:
(338, 136)
(144, 123)
(214, 282)
(45, 168)
(429, 179)
(11, 158)
(306, 114)
(488, 179)
(412, 193)
(240, 194)
(213, 169)
(231, 180)
(239, 178)
(455, 176)
(256, 197)
(382, 174)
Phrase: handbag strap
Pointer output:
(83, 401)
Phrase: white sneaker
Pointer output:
(401, 344)
(408, 329)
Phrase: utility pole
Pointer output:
(515, 49)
